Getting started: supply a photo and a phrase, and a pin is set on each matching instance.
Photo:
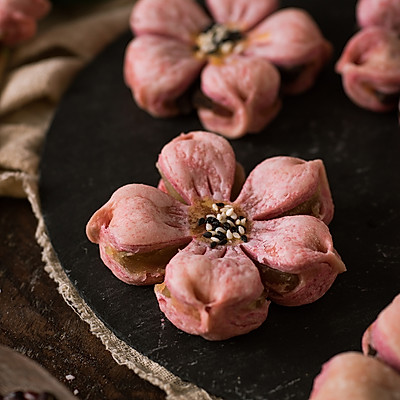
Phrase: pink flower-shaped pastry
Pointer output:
(231, 68)
(382, 338)
(370, 69)
(18, 19)
(354, 376)
(383, 13)
(223, 255)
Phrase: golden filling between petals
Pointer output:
(152, 262)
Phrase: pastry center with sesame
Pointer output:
(219, 223)
(217, 40)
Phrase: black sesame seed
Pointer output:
(234, 36)
(201, 221)
(244, 238)
(233, 229)
(213, 245)
(226, 226)
(223, 241)
(230, 218)
(220, 204)
(207, 235)
(220, 235)
(212, 220)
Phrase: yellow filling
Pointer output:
(152, 262)
(277, 281)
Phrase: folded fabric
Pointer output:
(36, 76)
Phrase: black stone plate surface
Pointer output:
(100, 140)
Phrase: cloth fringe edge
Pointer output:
(123, 354)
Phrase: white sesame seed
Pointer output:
(229, 234)
(243, 220)
(231, 223)
(226, 47)
(215, 207)
(219, 229)
(214, 239)
(219, 217)
(236, 235)
(241, 230)
(237, 222)
(229, 212)
(234, 215)
(239, 48)
(208, 227)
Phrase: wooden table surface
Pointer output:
(36, 321)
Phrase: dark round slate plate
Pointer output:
(100, 140)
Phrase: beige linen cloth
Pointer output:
(33, 81)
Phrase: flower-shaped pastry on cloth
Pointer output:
(18, 19)
(230, 65)
(219, 248)
(354, 376)
(382, 338)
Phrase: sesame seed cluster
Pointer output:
(217, 39)
(224, 226)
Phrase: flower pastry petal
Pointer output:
(353, 376)
(382, 338)
(370, 69)
(292, 41)
(158, 71)
(383, 13)
(211, 293)
(198, 165)
(287, 186)
(179, 19)
(18, 19)
(296, 258)
(243, 95)
(241, 14)
(16, 27)
(138, 231)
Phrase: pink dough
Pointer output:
(354, 376)
(289, 39)
(370, 69)
(383, 13)
(383, 336)
(18, 19)
(215, 294)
